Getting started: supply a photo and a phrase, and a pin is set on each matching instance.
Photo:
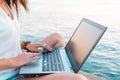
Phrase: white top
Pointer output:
(9, 42)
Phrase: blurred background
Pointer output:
(63, 16)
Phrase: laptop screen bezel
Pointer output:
(103, 28)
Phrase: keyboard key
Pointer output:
(52, 61)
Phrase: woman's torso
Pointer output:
(9, 42)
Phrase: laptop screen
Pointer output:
(83, 41)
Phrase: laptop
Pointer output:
(72, 57)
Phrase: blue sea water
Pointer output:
(51, 16)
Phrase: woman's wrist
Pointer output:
(10, 63)
(14, 63)
(7, 63)
(24, 45)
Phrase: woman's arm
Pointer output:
(18, 60)
(6, 63)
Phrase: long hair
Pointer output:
(16, 3)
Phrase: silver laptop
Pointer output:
(72, 57)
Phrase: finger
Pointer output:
(36, 50)
(35, 58)
(48, 48)
(27, 54)
(30, 55)
(45, 46)
(41, 49)
(35, 54)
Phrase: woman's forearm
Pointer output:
(6, 63)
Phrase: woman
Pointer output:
(11, 56)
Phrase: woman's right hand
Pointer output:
(23, 59)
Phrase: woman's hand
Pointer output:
(23, 59)
(35, 47)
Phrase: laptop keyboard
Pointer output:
(52, 61)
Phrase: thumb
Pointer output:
(36, 50)
(46, 46)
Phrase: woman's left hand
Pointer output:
(35, 47)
